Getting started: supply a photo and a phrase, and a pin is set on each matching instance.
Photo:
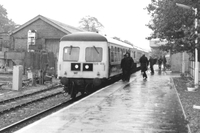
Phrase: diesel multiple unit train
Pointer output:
(87, 60)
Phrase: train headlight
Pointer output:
(86, 66)
(76, 66)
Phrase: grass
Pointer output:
(188, 100)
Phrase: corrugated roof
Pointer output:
(65, 26)
(61, 26)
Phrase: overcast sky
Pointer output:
(125, 19)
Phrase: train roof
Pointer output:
(91, 36)
(84, 36)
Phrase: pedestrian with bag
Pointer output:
(144, 65)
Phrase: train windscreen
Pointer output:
(71, 53)
(93, 54)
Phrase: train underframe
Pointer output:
(86, 86)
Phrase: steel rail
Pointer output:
(29, 94)
(33, 118)
(27, 103)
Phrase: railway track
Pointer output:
(29, 94)
(39, 114)
(23, 101)
(17, 125)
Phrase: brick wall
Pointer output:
(44, 31)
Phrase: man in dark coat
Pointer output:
(144, 65)
(151, 63)
(126, 65)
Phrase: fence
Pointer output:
(38, 60)
(33, 60)
(192, 69)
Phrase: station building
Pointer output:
(39, 33)
(47, 34)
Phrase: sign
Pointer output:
(31, 38)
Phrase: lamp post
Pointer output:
(196, 69)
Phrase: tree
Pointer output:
(174, 24)
(117, 38)
(127, 42)
(89, 23)
(6, 25)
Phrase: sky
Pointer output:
(125, 19)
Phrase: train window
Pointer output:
(121, 54)
(93, 54)
(112, 54)
(71, 53)
(112, 57)
(134, 54)
(115, 54)
(118, 56)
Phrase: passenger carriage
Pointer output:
(87, 60)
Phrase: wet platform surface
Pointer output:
(140, 106)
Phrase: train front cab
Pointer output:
(82, 64)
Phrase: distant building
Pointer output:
(179, 62)
(48, 33)
(39, 33)
(154, 45)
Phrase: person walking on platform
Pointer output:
(151, 63)
(160, 62)
(126, 65)
(144, 64)
(164, 63)
(122, 66)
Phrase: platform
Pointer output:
(140, 106)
